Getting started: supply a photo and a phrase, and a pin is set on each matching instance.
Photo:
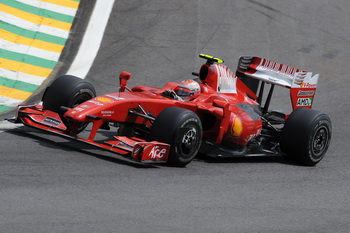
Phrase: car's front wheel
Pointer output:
(182, 129)
(68, 91)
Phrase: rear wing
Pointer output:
(302, 84)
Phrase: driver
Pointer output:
(187, 90)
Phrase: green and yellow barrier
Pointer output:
(33, 34)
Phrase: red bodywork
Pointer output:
(225, 106)
(231, 124)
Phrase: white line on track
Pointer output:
(92, 39)
(88, 48)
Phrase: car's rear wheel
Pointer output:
(306, 136)
(68, 91)
(182, 129)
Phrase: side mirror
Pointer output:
(124, 76)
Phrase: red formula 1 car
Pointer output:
(219, 113)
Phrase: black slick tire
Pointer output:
(182, 129)
(306, 136)
(68, 91)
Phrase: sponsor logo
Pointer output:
(306, 93)
(308, 85)
(157, 152)
(95, 102)
(79, 109)
(305, 80)
(104, 99)
(115, 97)
(107, 113)
(52, 121)
(237, 127)
(304, 102)
(84, 106)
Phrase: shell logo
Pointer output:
(237, 127)
(104, 99)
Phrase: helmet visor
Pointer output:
(183, 92)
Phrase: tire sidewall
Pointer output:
(68, 91)
(320, 123)
(299, 133)
(81, 93)
(187, 126)
(65, 91)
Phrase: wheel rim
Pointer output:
(189, 141)
(320, 141)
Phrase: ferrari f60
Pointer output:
(219, 113)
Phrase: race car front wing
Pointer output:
(129, 147)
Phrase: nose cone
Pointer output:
(91, 107)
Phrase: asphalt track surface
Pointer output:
(49, 184)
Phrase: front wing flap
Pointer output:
(141, 150)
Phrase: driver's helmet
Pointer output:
(188, 90)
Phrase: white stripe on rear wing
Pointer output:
(300, 82)
(276, 73)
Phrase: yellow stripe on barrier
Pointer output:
(66, 3)
(35, 18)
(24, 68)
(17, 39)
(14, 93)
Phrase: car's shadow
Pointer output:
(252, 159)
(71, 145)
